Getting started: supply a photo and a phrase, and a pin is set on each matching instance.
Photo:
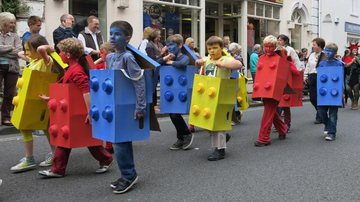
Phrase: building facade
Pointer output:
(247, 22)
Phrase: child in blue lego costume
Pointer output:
(328, 111)
(120, 35)
(178, 60)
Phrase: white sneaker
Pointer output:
(49, 174)
(48, 160)
(325, 132)
(103, 169)
(0, 182)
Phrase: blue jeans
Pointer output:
(125, 159)
(329, 120)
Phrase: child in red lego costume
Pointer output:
(105, 49)
(283, 43)
(217, 64)
(352, 66)
(270, 116)
(71, 52)
(37, 49)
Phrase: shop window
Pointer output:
(237, 8)
(276, 12)
(180, 1)
(259, 9)
(227, 10)
(194, 2)
(251, 8)
(268, 11)
(212, 9)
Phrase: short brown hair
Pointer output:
(320, 42)
(32, 20)
(124, 26)
(72, 46)
(176, 38)
(215, 40)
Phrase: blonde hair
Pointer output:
(107, 47)
(332, 46)
(147, 32)
(6, 18)
(189, 40)
(72, 46)
(270, 39)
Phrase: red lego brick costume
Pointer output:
(76, 76)
(271, 79)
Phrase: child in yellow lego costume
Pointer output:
(38, 50)
(219, 65)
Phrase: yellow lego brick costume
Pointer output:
(30, 112)
(213, 98)
(242, 93)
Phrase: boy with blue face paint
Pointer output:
(178, 60)
(328, 114)
(120, 35)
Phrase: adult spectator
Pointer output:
(64, 31)
(310, 73)
(145, 41)
(191, 44)
(352, 67)
(10, 46)
(227, 42)
(283, 41)
(235, 51)
(91, 37)
(254, 58)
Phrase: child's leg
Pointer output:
(324, 116)
(270, 107)
(125, 159)
(28, 142)
(180, 126)
(60, 160)
(218, 140)
(333, 111)
(280, 125)
(29, 162)
(100, 154)
(287, 116)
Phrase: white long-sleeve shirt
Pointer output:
(294, 57)
(88, 50)
(311, 64)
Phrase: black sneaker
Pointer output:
(218, 154)
(124, 185)
(188, 139)
(317, 122)
(177, 145)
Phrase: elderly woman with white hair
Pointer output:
(235, 51)
(10, 45)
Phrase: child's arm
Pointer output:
(44, 51)
(229, 63)
(180, 62)
(98, 61)
(87, 103)
(22, 56)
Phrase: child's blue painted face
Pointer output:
(173, 48)
(330, 53)
(118, 38)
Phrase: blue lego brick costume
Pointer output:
(176, 85)
(330, 83)
(113, 102)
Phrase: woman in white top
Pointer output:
(318, 45)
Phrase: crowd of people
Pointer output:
(223, 57)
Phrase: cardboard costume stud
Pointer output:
(213, 99)
(271, 77)
(176, 88)
(30, 112)
(67, 118)
(330, 82)
(296, 83)
(112, 109)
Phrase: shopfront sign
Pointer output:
(352, 28)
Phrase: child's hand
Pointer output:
(44, 97)
(169, 62)
(200, 62)
(220, 63)
(88, 119)
(139, 115)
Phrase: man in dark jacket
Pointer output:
(64, 31)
